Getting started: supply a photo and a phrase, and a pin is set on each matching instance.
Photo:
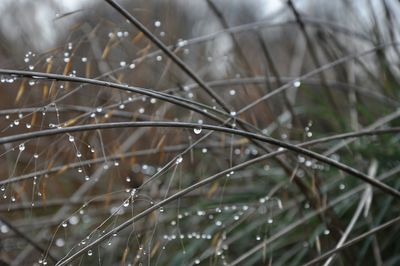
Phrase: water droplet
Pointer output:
(21, 147)
(74, 220)
(78, 154)
(197, 261)
(35, 155)
(122, 63)
(84, 59)
(64, 224)
(232, 92)
(71, 138)
(126, 203)
(60, 242)
(258, 238)
(297, 83)
(233, 113)
(16, 122)
(179, 160)
(157, 23)
(141, 110)
(28, 125)
(182, 43)
(90, 253)
(197, 131)
(159, 58)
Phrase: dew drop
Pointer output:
(297, 83)
(60, 242)
(21, 147)
(179, 160)
(197, 131)
(90, 253)
(71, 138)
(157, 23)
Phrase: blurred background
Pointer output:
(295, 71)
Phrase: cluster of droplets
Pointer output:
(27, 59)
(307, 130)
(7, 79)
(310, 164)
